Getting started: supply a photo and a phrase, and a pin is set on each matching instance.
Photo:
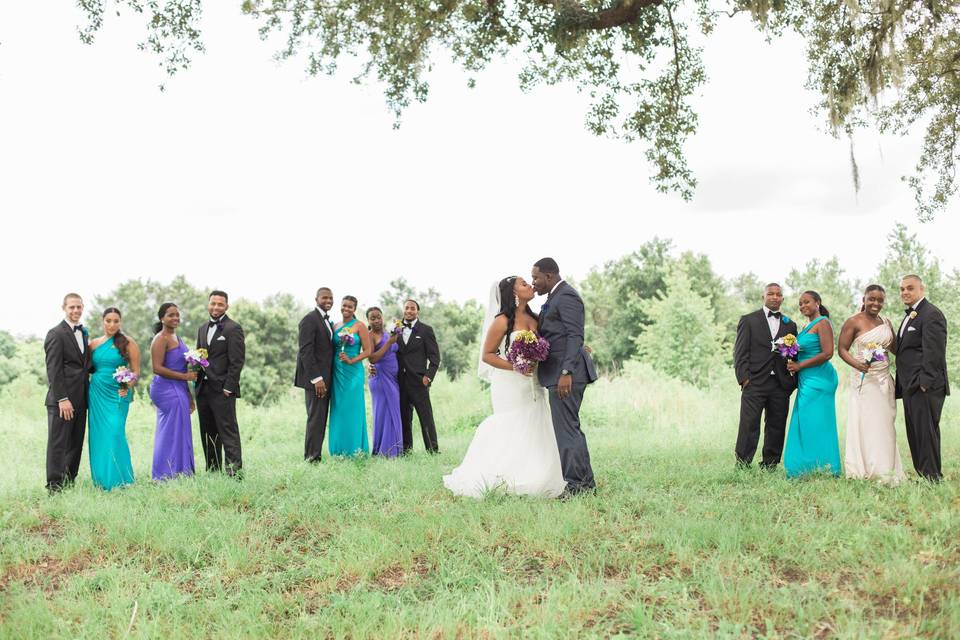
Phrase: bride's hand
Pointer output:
(863, 367)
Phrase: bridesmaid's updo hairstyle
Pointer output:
(351, 299)
(870, 289)
(369, 311)
(158, 327)
(120, 341)
(816, 296)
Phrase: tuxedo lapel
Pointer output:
(68, 332)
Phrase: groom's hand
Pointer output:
(564, 385)
(66, 410)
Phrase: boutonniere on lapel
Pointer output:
(347, 338)
(785, 319)
(85, 332)
(913, 314)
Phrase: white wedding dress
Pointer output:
(515, 449)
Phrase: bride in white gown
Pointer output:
(515, 449)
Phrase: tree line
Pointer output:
(654, 305)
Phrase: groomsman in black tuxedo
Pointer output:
(314, 369)
(765, 383)
(922, 375)
(218, 387)
(418, 356)
(68, 368)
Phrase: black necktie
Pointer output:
(774, 314)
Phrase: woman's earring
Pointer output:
(516, 300)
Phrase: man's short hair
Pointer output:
(323, 289)
(222, 294)
(71, 295)
(912, 276)
(772, 284)
(547, 265)
(413, 301)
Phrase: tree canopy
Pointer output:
(892, 65)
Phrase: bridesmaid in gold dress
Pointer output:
(871, 451)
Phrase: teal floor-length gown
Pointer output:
(110, 464)
(812, 442)
(348, 415)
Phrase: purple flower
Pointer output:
(526, 350)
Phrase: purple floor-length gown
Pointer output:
(173, 442)
(385, 392)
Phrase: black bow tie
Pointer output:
(408, 324)
(215, 323)
(79, 327)
(907, 310)
(774, 314)
(326, 317)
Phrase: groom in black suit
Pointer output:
(314, 369)
(68, 366)
(566, 372)
(418, 357)
(922, 375)
(765, 383)
(218, 386)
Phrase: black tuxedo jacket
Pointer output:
(67, 369)
(753, 355)
(922, 351)
(561, 323)
(226, 353)
(421, 354)
(315, 355)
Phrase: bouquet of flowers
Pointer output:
(125, 377)
(196, 359)
(787, 347)
(526, 350)
(397, 328)
(347, 339)
(872, 352)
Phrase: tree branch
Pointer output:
(620, 13)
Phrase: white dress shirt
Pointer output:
(211, 329)
(559, 282)
(408, 330)
(773, 322)
(906, 321)
(77, 335)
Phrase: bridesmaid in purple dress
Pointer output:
(384, 388)
(173, 442)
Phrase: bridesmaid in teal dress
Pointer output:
(348, 414)
(812, 442)
(108, 404)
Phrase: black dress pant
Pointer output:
(763, 395)
(317, 411)
(921, 412)
(413, 395)
(219, 431)
(64, 446)
(571, 441)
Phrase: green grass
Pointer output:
(677, 543)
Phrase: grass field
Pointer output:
(676, 544)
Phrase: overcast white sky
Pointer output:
(249, 176)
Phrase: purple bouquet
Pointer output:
(124, 377)
(526, 350)
(874, 352)
(397, 328)
(787, 347)
(196, 359)
(347, 339)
